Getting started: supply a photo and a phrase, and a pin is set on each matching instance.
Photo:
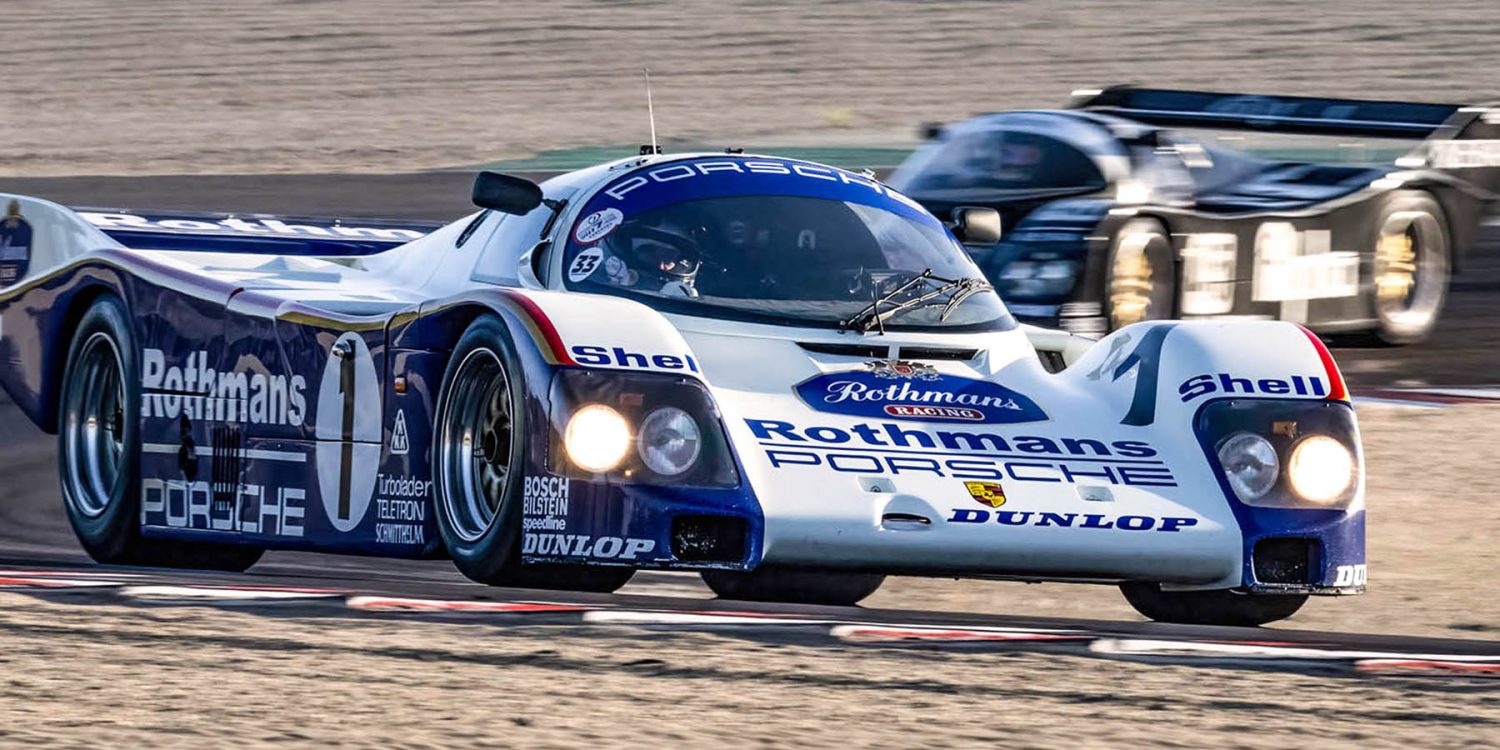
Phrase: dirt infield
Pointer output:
(181, 86)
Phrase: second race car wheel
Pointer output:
(478, 458)
(1216, 607)
(99, 447)
(1411, 269)
(770, 583)
(1141, 280)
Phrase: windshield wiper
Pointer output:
(882, 308)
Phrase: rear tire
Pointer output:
(770, 583)
(99, 452)
(1216, 607)
(479, 459)
(1140, 280)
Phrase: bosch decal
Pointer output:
(544, 504)
(881, 390)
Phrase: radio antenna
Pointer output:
(651, 111)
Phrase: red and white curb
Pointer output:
(1238, 653)
(227, 594)
(887, 634)
(402, 604)
(56, 579)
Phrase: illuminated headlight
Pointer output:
(1250, 465)
(597, 438)
(1320, 470)
(670, 441)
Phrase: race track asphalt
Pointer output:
(34, 532)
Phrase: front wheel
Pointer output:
(1215, 607)
(770, 583)
(99, 448)
(479, 462)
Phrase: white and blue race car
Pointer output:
(784, 375)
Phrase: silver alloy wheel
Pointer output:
(94, 426)
(474, 445)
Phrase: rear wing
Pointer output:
(253, 233)
(1282, 114)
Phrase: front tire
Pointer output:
(99, 452)
(480, 435)
(770, 583)
(1216, 607)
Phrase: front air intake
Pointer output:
(708, 539)
(1286, 561)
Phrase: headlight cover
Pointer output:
(1315, 443)
(1250, 465)
(677, 436)
(670, 441)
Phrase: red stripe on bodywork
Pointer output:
(543, 326)
(1336, 389)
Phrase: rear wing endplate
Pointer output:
(1283, 114)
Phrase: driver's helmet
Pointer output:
(665, 257)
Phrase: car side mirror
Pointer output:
(973, 225)
(506, 194)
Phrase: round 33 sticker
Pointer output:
(585, 263)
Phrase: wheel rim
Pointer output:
(94, 426)
(1132, 283)
(474, 445)
(1410, 269)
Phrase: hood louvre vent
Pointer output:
(865, 351)
(932, 353)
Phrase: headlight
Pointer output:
(1320, 469)
(597, 437)
(670, 441)
(1250, 464)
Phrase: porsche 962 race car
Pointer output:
(784, 375)
(1117, 211)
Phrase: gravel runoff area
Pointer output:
(183, 86)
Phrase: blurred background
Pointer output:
(255, 86)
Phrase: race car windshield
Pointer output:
(995, 164)
(783, 258)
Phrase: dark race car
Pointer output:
(1115, 215)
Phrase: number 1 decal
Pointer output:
(348, 430)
